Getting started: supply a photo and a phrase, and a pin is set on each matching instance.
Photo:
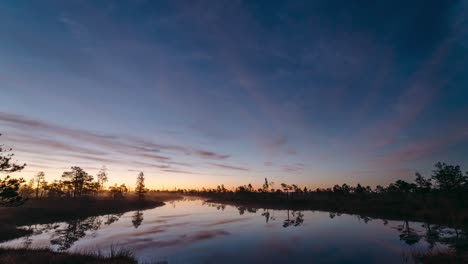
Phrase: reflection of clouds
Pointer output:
(156, 221)
(174, 216)
(227, 221)
(182, 240)
(130, 236)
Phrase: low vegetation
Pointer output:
(46, 256)
(442, 198)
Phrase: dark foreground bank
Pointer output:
(46, 256)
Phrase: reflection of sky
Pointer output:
(228, 92)
(192, 232)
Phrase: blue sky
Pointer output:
(199, 93)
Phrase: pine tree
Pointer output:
(140, 186)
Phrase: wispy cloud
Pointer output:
(229, 167)
(38, 137)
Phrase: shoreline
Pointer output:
(442, 216)
(60, 210)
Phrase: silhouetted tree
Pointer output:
(242, 189)
(404, 187)
(39, 178)
(337, 189)
(9, 187)
(379, 189)
(102, 178)
(55, 189)
(423, 184)
(27, 190)
(266, 185)
(6, 165)
(140, 186)
(286, 188)
(118, 192)
(77, 180)
(448, 177)
(359, 190)
(345, 189)
(9, 195)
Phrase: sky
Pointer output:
(202, 93)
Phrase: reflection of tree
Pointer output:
(432, 234)
(111, 218)
(35, 230)
(64, 238)
(364, 218)
(297, 219)
(266, 214)
(333, 214)
(455, 238)
(217, 206)
(137, 218)
(408, 234)
(242, 210)
(251, 210)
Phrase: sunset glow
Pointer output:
(198, 94)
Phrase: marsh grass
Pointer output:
(116, 255)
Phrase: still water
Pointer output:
(193, 231)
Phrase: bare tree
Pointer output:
(102, 178)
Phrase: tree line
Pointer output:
(77, 183)
(447, 182)
(74, 183)
(447, 179)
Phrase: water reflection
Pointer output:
(453, 238)
(297, 218)
(408, 234)
(65, 237)
(194, 231)
(111, 218)
(137, 219)
(267, 215)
